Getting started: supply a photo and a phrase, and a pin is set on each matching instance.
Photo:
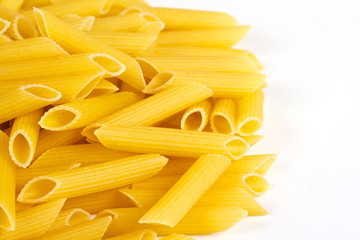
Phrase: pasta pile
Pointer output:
(119, 120)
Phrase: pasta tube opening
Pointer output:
(77, 216)
(106, 213)
(255, 184)
(89, 132)
(222, 124)
(59, 118)
(111, 66)
(266, 164)
(236, 147)
(148, 69)
(4, 25)
(43, 92)
(21, 149)
(38, 189)
(86, 90)
(105, 8)
(249, 126)
(23, 28)
(5, 219)
(193, 121)
(159, 82)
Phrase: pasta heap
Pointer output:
(119, 120)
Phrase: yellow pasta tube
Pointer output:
(253, 183)
(128, 88)
(68, 218)
(130, 3)
(22, 206)
(96, 202)
(4, 25)
(26, 99)
(7, 186)
(85, 154)
(199, 220)
(33, 222)
(172, 142)
(21, 27)
(250, 113)
(23, 138)
(48, 139)
(186, 191)
(144, 234)
(95, 178)
(134, 44)
(104, 87)
(252, 139)
(80, 113)
(176, 236)
(82, 23)
(175, 18)
(224, 64)
(213, 197)
(218, 37)
(30, 49)
(76, 41)
(154, 109)
(153, 26)
(4, 39)
(90, 230)
(196, 117)
(12, 4)
(29, 4)
(223, 116)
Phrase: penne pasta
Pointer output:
(49, 139)
(128, 88)
(253, 139)
(199, 220)
(225, 37)
(223, 116)
(30, 49)
(153, 26)
(175, 18)
(21, 27)
(12, 4)
(104, 87)
(250, 113)
(134, 44)
(22, 206)
(196, 117)
(90, 230)
(186, 191)
(177, 237)
(75, 41)
(82, 23)
(80, 113)
(4, 25)
(130, 3)
(7, 186)
(80, 181)
(222, 84)
(96, 202)
(33, 222)
(236, 197)
(154, 109)
(26, 99)
(85, 154)
(253, 183)
(4, 39)
(23, 138)
(144, 234)
(172, 142)
(29, 4)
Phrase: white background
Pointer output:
(310, 50)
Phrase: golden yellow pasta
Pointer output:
(4, 25)
(144, 234)
(94, 178)
(7, 186)
(250, 113)
(82, 23)
(196, 117)
(177, 237)
(23, 138)
(128, 88)
(33, 222)
(130, 22)
(29, 4)
(4, 39)
(186, 191)
(129, 3)
(104, 87)
(252, 139)
(223, 116)
(12, 4)
(253, 183)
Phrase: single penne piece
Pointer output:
(175, 18)
(69, 218)
(96, 202)
(134, 44)
(29, 4)
(153, 26)
(4, 25)
(90, 230)
(250, 113)
(85, 154)
(26, 99)
(104, 87)
(130, 3)
(199, 220)
(33, 222)
(222, 84)
(7, 186)
(21, 27)
(253, 183)
(49, 139)
(30, 49)
(176, 236)
(90, 179)
(252, 139)
(223, 116)
(218, 37)
(186, 191)
(236, 197)
(196, 117)
(82, 23)
(154, 109)
(144, 234)
(80, 113)
(76, 41)
(130, 22)
(172, 142)
(222, 64)
(12, 4)
(23, 138)
(4, 39)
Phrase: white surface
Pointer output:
(311, 51)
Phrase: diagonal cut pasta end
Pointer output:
(42, 92)
(161, 81)
(59, 118)
(110, 65)
(6, 221)
(255, 184)
(236, 147)
(20, 148)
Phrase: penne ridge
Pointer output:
(38, 189)
(160, 81)
(21, 141)
(255, 184)
(110, 65)
(236, 147)
(42, 92)
(59, 118)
